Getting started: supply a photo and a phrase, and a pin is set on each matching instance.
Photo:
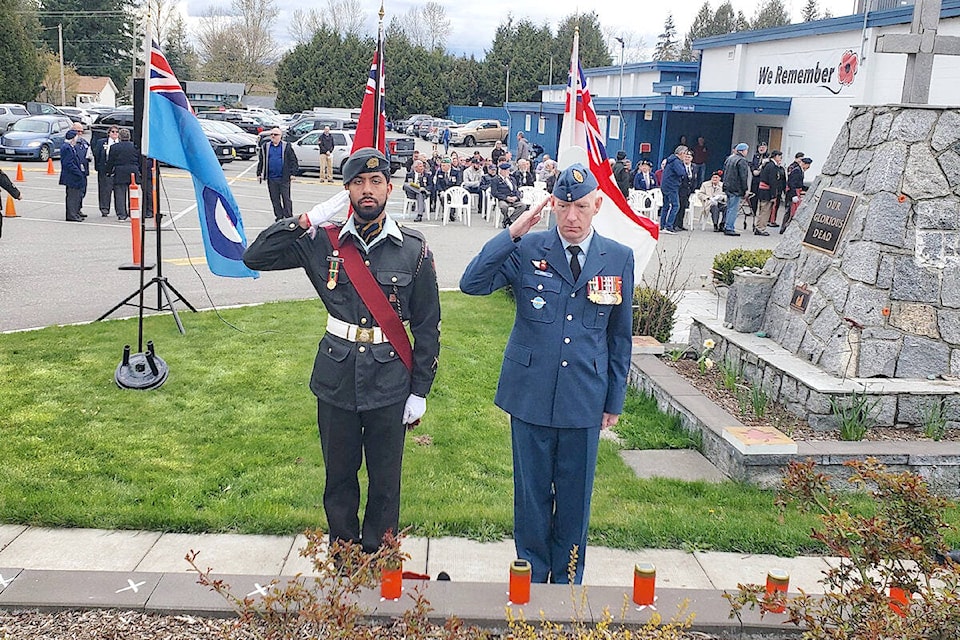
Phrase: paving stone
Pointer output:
(471, 561)
(677, 464)
(179, 594)
(225, 553)
(9, 533)
(726, 570)
(43, 589)
(40, 548)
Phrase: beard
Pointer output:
(368, 212)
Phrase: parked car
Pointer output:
(410, 121)
(307, 149)
(36, 137)
(10, 113)
(302, 126)
(123, 119)
(399, 151)
(426, 128)
(46, 109)
(221, 147)
(242, 121)
(244, 143)
(478, 131)
(86, 118)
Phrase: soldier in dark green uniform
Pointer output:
(366, 394)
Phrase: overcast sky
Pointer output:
(473, 23)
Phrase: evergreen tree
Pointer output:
(593, 43)
(701, 28)
(811, 11)
(524, 48)
(22, 68)
(772, 13)
(667, 47)
(97, 35)
(180, 53)
(328, 71)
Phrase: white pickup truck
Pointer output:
(477, 131)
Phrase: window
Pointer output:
(602, 124)
(339, 140)
(526, 124)
(541, 125)
(615, 127)
(312, 138)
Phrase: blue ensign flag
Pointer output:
(172, 134)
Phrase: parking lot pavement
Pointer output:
(57, 272)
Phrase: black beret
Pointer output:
(365, 160)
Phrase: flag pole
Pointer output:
(377, 88)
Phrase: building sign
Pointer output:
(813, 73)
(683, 107)
(801, 298)
(829, 219)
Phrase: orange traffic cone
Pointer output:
(50, 170)
(11, 210)
(19, 172)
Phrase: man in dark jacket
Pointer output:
(621, 173)
(644, 180)
(795, 187)
(122, 162)
(73, 176)
(7, 185)
(104, 183)
(326, 156)
(770, 188)
(505, 190)
(278, 163)
(673, 172)
(736, 183)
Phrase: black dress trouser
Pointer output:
(347, 437)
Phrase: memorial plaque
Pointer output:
(829, 219)
(800, 299)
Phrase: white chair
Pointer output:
(644, 203)
(408, 207)
(455, 199)
(699, 209)
(526, 195)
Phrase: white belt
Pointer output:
(354, 333)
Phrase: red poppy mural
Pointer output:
(848, 67)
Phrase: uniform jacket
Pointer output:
(622, 175)
(501, 189)
(644, 183)
(8, 186)
(772, 175)
(672, 174)
(795, 180)
(72, 172)
(290, 165)
(566, 362)
(343, 375)
(523, 178)
(736, 174)
(421, 180)
(443, 181)
(123, 160)
(100, 154)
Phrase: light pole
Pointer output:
(507, 98)
(620, 94)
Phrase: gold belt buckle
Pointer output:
(364, 334)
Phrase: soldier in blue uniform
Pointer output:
(565, 366)
(366, 393)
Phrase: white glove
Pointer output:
(796, 199)
(414, 409)
(325, 211)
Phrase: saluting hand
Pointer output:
(527, 220)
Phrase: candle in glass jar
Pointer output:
(391, 583)
(520, 582)
(644, 583)
(777, 580)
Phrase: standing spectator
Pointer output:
(565, 367)
(277, 162)
(123, 160)
(795, 188)
(73, 176)
(772, 182)
(523, 176)
(416, 186)
(621, 173)
(796, 161)
(736, 181)
(686, 189)
(326, 153)
(756, 163)
(674, 171)
(506, 192)
(497, 153)
(701, 155)
(104, 181)
(658, 174)
(445, 139)
(711, 193)
(523, 147)
(644, 180)
(86, 155)
(368, 392)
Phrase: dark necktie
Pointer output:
(575, 261)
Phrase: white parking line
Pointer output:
(184, 212)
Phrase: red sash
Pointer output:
(372, 296)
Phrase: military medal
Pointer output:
(540, 265)
(333, 270)
(605, 290)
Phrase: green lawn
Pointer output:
(229, 443)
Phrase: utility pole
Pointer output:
(507, 98)
(620, 94)
(63, 82)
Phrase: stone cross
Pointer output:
(920, 45)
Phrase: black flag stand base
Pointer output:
(141, 370)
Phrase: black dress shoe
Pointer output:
(418, 219)
(730, 233)
(74, 219)
(83, 215)
(104, 215)
(758, 232)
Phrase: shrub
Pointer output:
(653, 314)
(725, 263)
